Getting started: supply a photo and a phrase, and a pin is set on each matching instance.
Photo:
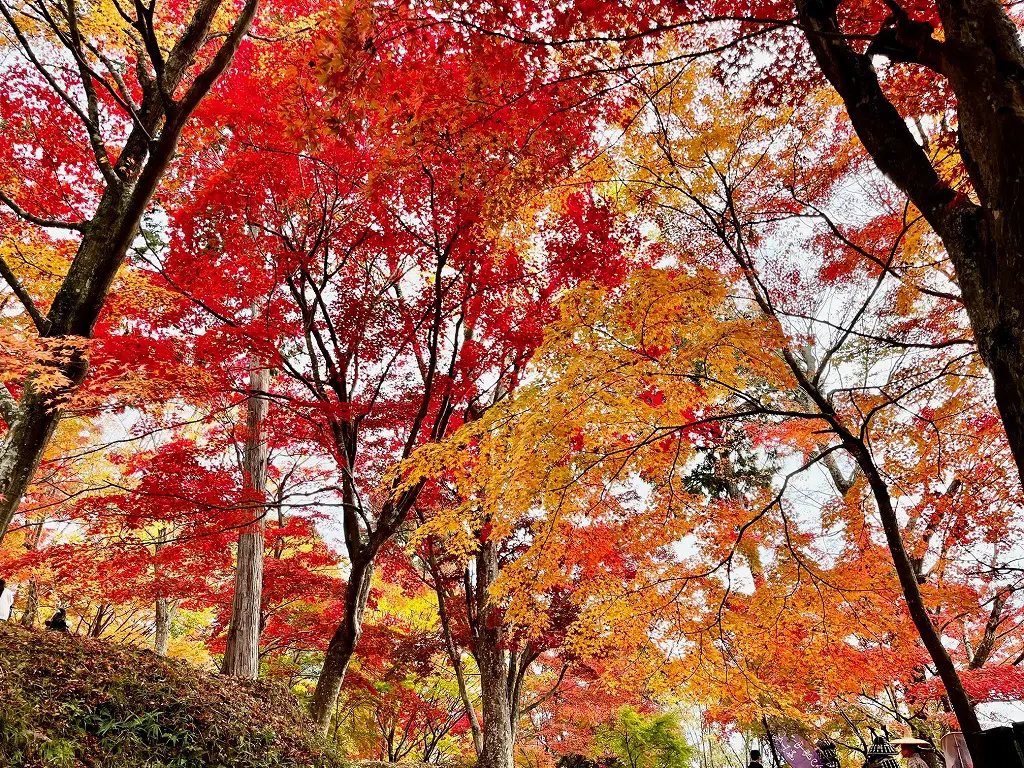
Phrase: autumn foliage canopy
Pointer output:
(513, 381)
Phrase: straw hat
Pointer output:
(913, 742)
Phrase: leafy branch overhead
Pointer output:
(517, 383)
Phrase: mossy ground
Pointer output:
(67, 702)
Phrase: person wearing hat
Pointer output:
(910, 749)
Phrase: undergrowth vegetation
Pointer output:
(67, 702)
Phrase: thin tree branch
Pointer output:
(41, 323)
(39, 220)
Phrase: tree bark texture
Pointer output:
(165, 610)
(241, 656)
(343, 644)
(28, 617)
(498, 688)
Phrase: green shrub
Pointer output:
(639, 741)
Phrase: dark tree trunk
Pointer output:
(496, 685)
(241, 656)
(982, 58)
(983, 61)
(962, 706)
(106, 238)
(906, 571)
(100, 622)
(343, 644)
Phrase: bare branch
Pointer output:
(39, 220)
(41, 323)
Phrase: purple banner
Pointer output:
(796, 751)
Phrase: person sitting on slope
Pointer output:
(58, 622)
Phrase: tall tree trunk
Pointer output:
(454, 654)
(962, 706)
(164, 607)
(906, 571)
(982, 58)
(343, 643)
(493, 663)
(28, 618)
(856, 445)
(107, 236)
(984, 62)
(165, 610)
(241, 656)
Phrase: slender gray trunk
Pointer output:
(454, 653)
(241, 656)
(165, 610)
(164, 607)
(496, 688)
(28, 618)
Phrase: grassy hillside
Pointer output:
(67, 702)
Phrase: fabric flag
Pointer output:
(795, 751)
(954, 749)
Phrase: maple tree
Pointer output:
(97, 195)
(518, 371)
(404, 294)
(938, 115)
(941, 391)
(525, 668)
(799, 606)
(726, 193)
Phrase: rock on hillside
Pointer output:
(67, 702)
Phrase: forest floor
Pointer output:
(67, 702)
